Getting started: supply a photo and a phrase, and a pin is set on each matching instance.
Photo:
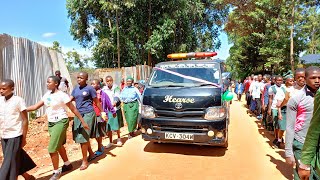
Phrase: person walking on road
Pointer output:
(64, 84)
(299, 114)
(114, 123)
(279, 126)
(130, 96)
(100, 127)
(13, 133)
(239, 88)
(56, 102)
(309, 165)
(84, 96)
(256, 89)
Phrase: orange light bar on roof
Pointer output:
(191, 55)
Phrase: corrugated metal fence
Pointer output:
(29, 64)
(137, 72)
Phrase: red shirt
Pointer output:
(247, 86)
(95, 107)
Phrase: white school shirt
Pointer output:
(56, 105)
(256, 88)
(10, 116)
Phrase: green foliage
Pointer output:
(146, 30)
(260, 33)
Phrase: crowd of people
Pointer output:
(100, 109)
(288, 106)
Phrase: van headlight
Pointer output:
(215, 113)
(147, 111)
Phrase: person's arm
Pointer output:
(35, 106)
(139, 97)
(106, 104)
(76, 112)
(67, 82)
(270, 100)
(25, 123)
(291, 115)
(286, 99)
(311, 142)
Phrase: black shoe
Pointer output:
(277, 144)
(67, 168)
(274, 141)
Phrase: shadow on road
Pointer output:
(285, 169)
(185, 149)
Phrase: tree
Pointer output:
(145, 31)
(56, 46)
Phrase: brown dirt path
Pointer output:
(249, 156)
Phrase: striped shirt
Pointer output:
(299, 114)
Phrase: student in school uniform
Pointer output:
(100, 128)
(13, 132)
(56, 102)
(84, 95)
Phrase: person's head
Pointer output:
(95, 84)
(255, 78)
(6, 87)
(289, 81)
(53, 83)
(313, 78)
(300, 76)
(267, 78)
(101, 80)
(122, 81)
(58, 73)
(273, 80)
(136, 85)
(129, 81)
(278, 80)
(82, 78)
(247, 78)
(109, 81)
(259, 77)
(239, 80)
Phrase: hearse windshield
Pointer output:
(185, 75)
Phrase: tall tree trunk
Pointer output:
(149, 34)
(291, 36)
(118, 38)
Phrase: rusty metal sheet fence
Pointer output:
(29, 64)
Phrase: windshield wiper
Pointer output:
(207, 84)
(171, 85)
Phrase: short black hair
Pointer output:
(298, 70)
(57, 71)
(84, 73)
(267, 76)
(109, 77)
(278, 76)
(9, 82)
(55, 79)
(96, 80)
(311, 69)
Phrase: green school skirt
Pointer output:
(115, 123)
(279, 124)
(131, 111)
(58, 134)
(80, 135)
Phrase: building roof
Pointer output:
(310, 58)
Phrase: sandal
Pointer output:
(83, 167)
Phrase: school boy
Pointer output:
(84, 95)
(13, 132)
(299, 115)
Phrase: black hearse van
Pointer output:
(182, 102)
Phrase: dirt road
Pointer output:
(249, 156)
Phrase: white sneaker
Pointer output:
(119, 143)
(109, 145)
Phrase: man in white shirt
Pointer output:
(256, 89)
(13, 131)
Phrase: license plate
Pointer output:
(180, 136)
